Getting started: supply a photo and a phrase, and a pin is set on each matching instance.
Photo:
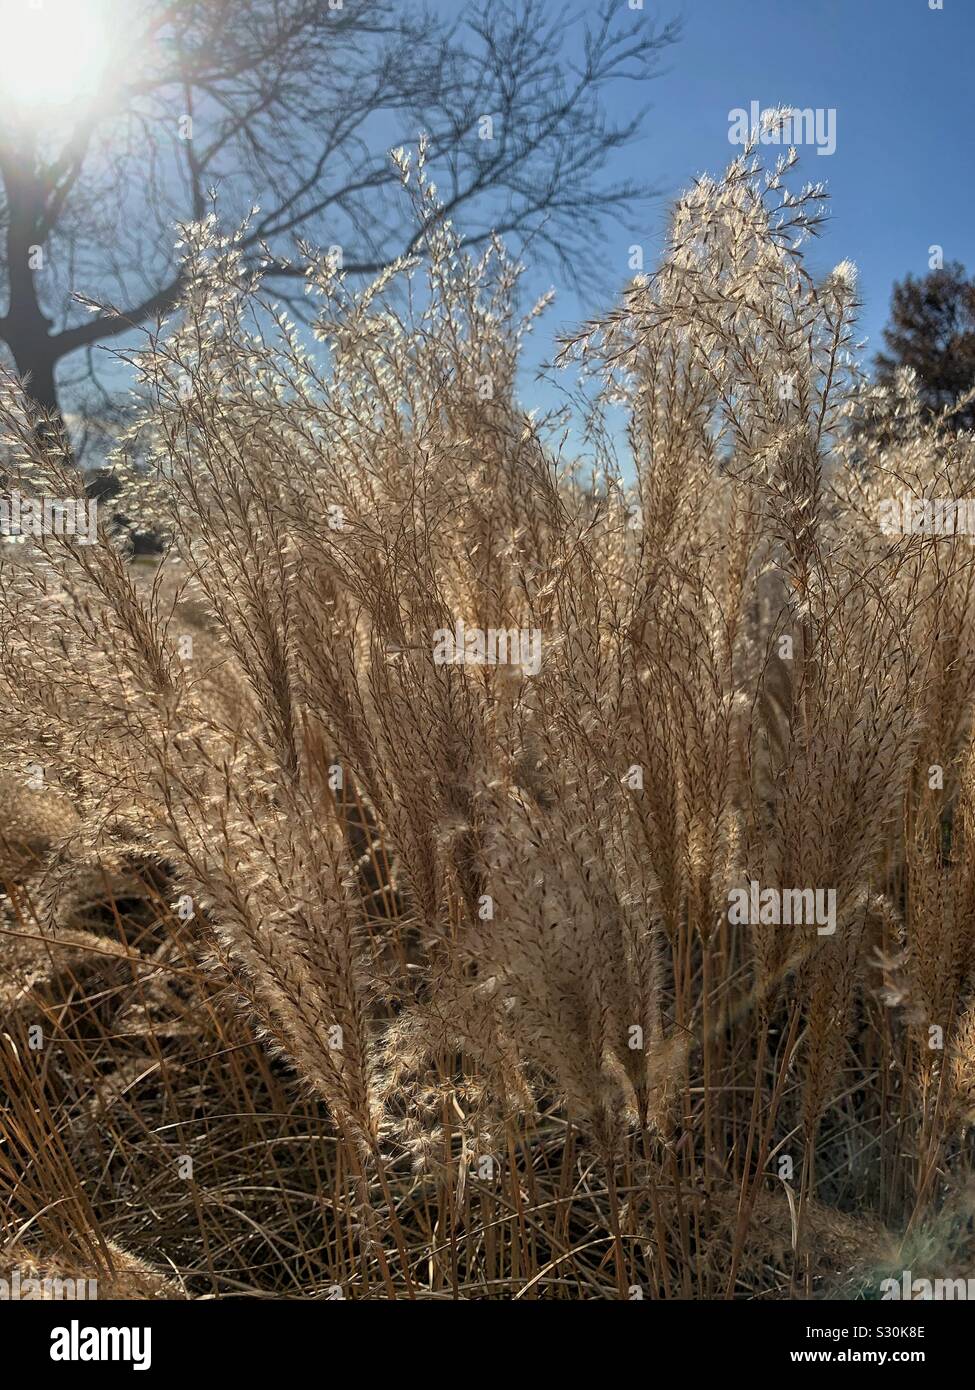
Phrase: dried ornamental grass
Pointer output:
(478, 912)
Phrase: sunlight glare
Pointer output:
(53, 53)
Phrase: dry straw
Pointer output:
(427, 967)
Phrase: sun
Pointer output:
(54, 54)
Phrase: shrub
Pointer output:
(481, 906)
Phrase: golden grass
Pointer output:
(429, 968)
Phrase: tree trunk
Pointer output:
(35, 365)
(25, 327)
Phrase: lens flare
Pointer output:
(54, 54)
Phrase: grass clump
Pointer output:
(427, 967)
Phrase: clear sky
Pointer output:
(897, 73)
(901, 78)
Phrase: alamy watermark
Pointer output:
(475, 646)
(790, 125)
(756, 906)
(17, 1288)
(926, 1290)
(21, 517)
(78, 1343)
(927, 516)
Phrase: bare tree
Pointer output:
(292, 105)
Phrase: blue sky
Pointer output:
(899, 76)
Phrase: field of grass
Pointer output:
(330, 968)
